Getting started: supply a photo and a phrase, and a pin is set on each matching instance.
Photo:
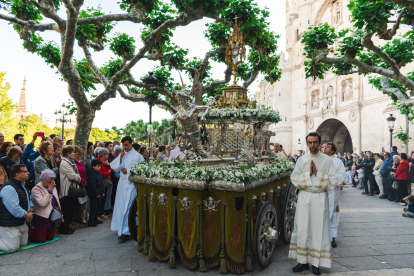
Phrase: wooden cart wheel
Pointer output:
(132, 219)
(288, 212)
(265, 234)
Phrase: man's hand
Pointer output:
(315, 171)
(34, 138)
(98, 196)
(313, 168)
(28, 216)
(125, 171)
(31, 209)
(103, 194)
(122, 154)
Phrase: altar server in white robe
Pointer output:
(335, 195)
(126, 191)
(176, 152)
(313, 175)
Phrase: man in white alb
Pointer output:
(335, 195)
(313, 175)
(126, 191)
(176, 152)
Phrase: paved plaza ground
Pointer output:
(374, 239)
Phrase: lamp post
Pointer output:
(63, 120)
(391, 120)
(150, 82)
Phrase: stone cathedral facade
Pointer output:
(345, 110)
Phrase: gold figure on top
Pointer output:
(235, 51)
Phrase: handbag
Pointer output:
(56, 217)
(107, 182)
(75, 191)
(83, 200)
(395, 185)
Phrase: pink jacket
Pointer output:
(42, 200)
(81, 170)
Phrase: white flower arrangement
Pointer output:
(176, 170)
(259, 113)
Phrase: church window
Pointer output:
(297, 35)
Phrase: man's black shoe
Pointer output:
(301, 267)
(384, 196)
(333, 243)
(123, 238)
(65, 231)
(98, 222)
(316, 270)
(92, 224)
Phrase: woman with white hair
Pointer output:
(45, 199)
(106, 170)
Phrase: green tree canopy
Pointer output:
(92, 30)
(356, 52)
(8, 120)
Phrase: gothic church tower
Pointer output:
(22, 109)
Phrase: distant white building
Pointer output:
(346, 110)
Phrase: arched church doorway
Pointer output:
(333, 130)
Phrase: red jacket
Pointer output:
(105, 170)
(403, 170)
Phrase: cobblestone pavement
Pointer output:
(374, 239)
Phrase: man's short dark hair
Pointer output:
(15, 169)
(314, 134)
(17, 136)
(126, 138)
(410, 198)
(136, 146)
(388, 154)
(333, 147)
(403, 156)
(95, 162)
(280, 146)
(394, 148)
(52, 136)
(107, 144)
(68, 142)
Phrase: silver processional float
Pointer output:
(229, 201)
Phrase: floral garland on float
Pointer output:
(262, 113)
(242, 175)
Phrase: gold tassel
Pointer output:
(235, 269)
(172, 263)
(249, 264)
(202, 267)
(146, 250)
(223, 266)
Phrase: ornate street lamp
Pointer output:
(63, 120)
(149, 83)
(391, 121)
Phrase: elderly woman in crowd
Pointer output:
(402, 175)
(45, 161)
(82, 172)
(13, 158)
(4, 149)
(68, 174)
(106, 170)
(376, 173)
(45, 199)
(57, 155)
(392, 168)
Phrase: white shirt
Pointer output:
(339, 166)
(175, 153)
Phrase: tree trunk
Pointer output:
(83, 130)
(407, 128)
